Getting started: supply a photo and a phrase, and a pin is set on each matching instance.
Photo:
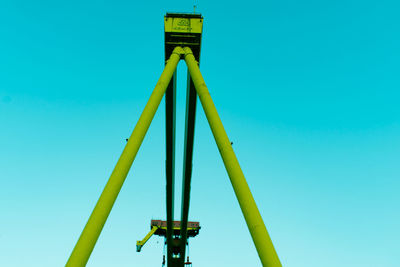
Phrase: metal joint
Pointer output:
(179, 51)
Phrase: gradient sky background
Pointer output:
(308, 92)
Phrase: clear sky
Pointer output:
(308, 92)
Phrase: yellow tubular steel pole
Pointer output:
(258, 231)
(83, 248)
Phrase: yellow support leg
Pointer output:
(258, 231)
(83, 248)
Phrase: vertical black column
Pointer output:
(170, 96)
(191, 99)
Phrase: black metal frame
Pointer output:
(174, 244)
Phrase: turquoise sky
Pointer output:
(308, 92)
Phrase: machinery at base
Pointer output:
(159, 227)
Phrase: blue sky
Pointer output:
(308, 91)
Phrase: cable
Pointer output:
(163, 262)
(195, 4)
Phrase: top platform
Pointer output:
(183, 29)
(183, 23)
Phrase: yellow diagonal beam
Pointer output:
(83, 248)
(258, 231)
(140, 243)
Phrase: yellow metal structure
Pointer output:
(258, 231)
(140, 244)
(183, 25)
(83, 248)
(181, 30)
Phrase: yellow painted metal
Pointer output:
(140, 244)
(179, 228)
(258, 231)
(183, 25)
(83, 248)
